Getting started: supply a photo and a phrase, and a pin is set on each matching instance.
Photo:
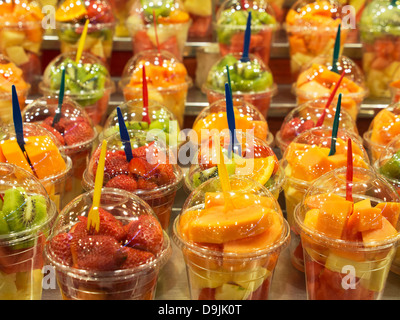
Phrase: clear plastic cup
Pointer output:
(87, 82)
(306, 116)
(230, 27)
(161, 119)
(395, 91)
(122, 264)
(305, 160)
(121, 10)
(317, 80)
(10, 75)
(153, 174)
(379, 33)
(71, 16)
(257, 161)
(21, 36)
(74, 131)
(349, 245)
(25, 224)
(234, 257)
(206, 57)
(172, 26)
(247, 117)
(311, 27)
(384, 127)
(250, 81)
(201, 14)
(48, 162)
(167, 80)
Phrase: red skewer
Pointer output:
(349, 172)
(146, 117)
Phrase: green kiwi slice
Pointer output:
(4, 229)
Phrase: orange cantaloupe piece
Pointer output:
(311, 218)
(14, 155)
(314, 158)
(317, 201)
(385, 232)
(2, 157)
(325, 75)
(390, 210)
(340, 161)
(333, 217)
(186, 219)
(219, 226)
(315, 87)
(214, 199)
(341, 147)
(364, 219)
(383, 118)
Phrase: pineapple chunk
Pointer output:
(17, 54)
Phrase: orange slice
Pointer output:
(71, 10)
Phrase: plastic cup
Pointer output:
(230, 27)
(317, 80)
(87, 82)
(379, 34)
(206, 57)
(172, 24)
(157, 179)
(247, 117)
(306, 116)
(311, 27)
(201, 14)
(167, 81)
(235, 265)
(71, 16)
(250, 81)
(305, 160)
(257, 161)
(382, 130)
(74, 131)
(109, 270)
(51, 166)
(345, 260)
(22, 243)
(10, 75)
(121, 10)
(21, 37)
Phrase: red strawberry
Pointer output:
(141, 152)
(97, 253)
(144, 184)
(139, 167)
(145, 233)
(60, 125)
(60, 248)
(306, 125)
(123, 182)
(115, 164)
(290, 129)
(57, 134)
(77, 132)
(166, 174)
(136, 258)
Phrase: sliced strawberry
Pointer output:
(115, 164)
(139, 167)
(77, 132)
(123, 182)
(290, 129)
(57, 134)
(144, 184)
(166, 174)
(136, 258)
(141, 152)
(306, 125)
(60, 248)
(145, 233)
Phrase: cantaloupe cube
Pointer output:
(317, 201)
(385, 232)
(364, 219)
(333, 217)
(390, 210)
(14, 155)
(311, 218)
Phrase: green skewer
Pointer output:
(336, 51)
(335, 127)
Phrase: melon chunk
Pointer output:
(390, 210)
(387, 231)
(14, 155)
(333, 217)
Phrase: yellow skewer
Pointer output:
(82, 42)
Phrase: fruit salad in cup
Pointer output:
(251, 81)
(230, 26)
(171, 30)
(26, 219)
(201, 14)
(119, 261)
(87, 82)
(71, 16)
(317, 80)
(167, 80)
(349, 242)
(121, 10)
(311, 28)
(152, 173)
(231, 241)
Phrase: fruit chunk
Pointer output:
(385, 232)
(390, 210)
(333, 216)
(364, 219)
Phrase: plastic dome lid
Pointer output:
(246, 77)
(74, 130)
(388, 163)
(17, 13)
(11, 75)
(380, 16)
(233, 14)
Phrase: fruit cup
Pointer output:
(152, 173)
(167, 80)
(306, 116)
(247, 117)
(379, 33)
(383, 128)
(10, 75)
(306, 159)
(25, 221)
(251, 81)
(349, 242)
(121, 10)
(47, 160)
(311, 27)
(162, 121)
(120, 261)
(71, 16)
(74, 131)
(230, 250)
(201, 14)
(317, 80)
(257, 160)
(168, 30)
(21, 36)
(87, 82)
(230, 26)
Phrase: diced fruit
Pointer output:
(333, 216)
(385, 232)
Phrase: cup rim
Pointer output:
(265, 27)
(97, 25)
(270, 91)
(352, 95)
(123, 86)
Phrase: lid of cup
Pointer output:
(388, 163)
(11, 75)
(20, 12)
(380, 16)
(384, 126)
(78, 11)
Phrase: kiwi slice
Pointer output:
(203, 176)
(4, 229)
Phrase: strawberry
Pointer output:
(290, 129)
(145, 233)
(97, 253)
(57, 134)
(136, 258)
(306, 125)
(123, 182)
(77, 132)
(139, 167)
(60, 125)
(166, 174)
(60, 248)
(144, 184)
(115, 164)
(141, 152)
